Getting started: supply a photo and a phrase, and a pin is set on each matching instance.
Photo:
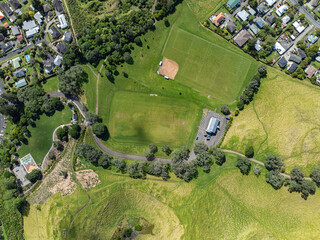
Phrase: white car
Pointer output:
(160, 64)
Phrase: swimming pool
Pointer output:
(28, 58)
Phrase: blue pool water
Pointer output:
(28, 58)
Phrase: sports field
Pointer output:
(223, 202)
(142, 119)
(208, 67)
(284, 119)
(41, 136)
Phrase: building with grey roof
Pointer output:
(15, 30)
(294, 58)
(27, 25)
(67, 37)
(242, 38)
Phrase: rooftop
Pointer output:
(242, 38)
(21, 83)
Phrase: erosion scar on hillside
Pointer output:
(168, 68)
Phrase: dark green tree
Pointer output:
(244, 165)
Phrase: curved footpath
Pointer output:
(138, 157)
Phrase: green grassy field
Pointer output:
(51, 84)
(223, 203)
(142, 119)
(208, 67)
(283, 120)
(213, 83)
(204, 8)
(90, 89)
(41, 136)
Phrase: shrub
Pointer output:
(244, 165)
(257, 170)
(249, 152)
(99, 129)
(138, 228)
(225, 109)
(275, 179)
(315, 175)
(274, 162)
(34, 175)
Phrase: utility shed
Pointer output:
(213, 126)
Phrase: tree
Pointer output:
(203, 160)
(34, 176)
(105, 161)
(62, 134)
(262, 71)
(315, 175)
(88, 152)
(244, 164)
(225, 109)
(136, 169)
(275, 179)
(219, 156)
(119, 164)
(179, 155)
(200, 147)
(308, 187)
(93, 55)
(92, 117)
(71, 81)
(149, 155)
(274, 162)
(185, 170)
(127, 57)
(159, 169)
(74, 131)
(99, 129)
(153, 148)
(249, 151)
(296, 174)
(138, 41)
(58, 145)
(257, 170)
(166, 149)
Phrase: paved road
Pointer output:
(309, 16)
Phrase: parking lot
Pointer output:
(202, 135)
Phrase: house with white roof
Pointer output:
(243, 15)
(63, 22)
(280, 11)
(39, 18)
(298, 27)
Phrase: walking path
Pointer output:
(70, 18)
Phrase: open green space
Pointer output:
(90, 89)
(204, 8)
(51, 84)
(215, 82)
(223, 202)
(207, 66)
(41, 135)
(282, 119)
(141, 119)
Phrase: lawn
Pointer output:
(141, 77)
(140, 119)
(204, 8)
(41, 136)
(51, 84)
(283, 120)
(208, 67)
(90, 89)
(223, 202)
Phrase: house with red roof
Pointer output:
(217, 19)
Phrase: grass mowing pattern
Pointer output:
(41, 136)
(223, 202)
(288, 111)
(141, 119)
(208, 67)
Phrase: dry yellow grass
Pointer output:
(289, 112)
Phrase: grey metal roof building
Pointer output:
(282, 62)
(295, 58)
(19, 73)
(213, 126)
(5, 7)
(15, 30)
(293, 67)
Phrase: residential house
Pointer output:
(312, 39)
(285, 20)
(58, 60)
(301, 53)
(271, 19)
(15, 30)
(257, 45)
(311, 71)
(63, 22)
(294, 58)
(6, 25)
(243, 15)
(254, 29)
(279, 48)
(46, 8)
(5, 7)
(217, 19)
(67, 37)
(16, 62)
(15, 4)
(55, 34)
(1, 37)
(231, 26)
(251, 11)
(314, 3)
(233, 3)
(2, 17)
(292, 67)
(58, 7)
(61, 48)
(6, 46)
(299, 28)
(27, 25)
(30, 33)
(19, 73)
(260, 23)
(270, 2)
(48, 66)
(242, 38)
(280, 11)
(20, 38)
(282, 62)
(39, 18)
(262, 8)
(21, 83)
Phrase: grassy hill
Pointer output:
(283, 120)
(223, 204)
